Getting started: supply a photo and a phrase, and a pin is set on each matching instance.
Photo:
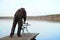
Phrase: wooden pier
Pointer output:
(25, 36)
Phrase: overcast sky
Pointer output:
(33, 7)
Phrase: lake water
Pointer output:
(48, 30)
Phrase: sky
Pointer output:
(33, 7)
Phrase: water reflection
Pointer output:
(48, 30)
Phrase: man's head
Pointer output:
(23, 9)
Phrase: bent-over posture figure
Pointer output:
(19, 16)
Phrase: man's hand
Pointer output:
(24, 22)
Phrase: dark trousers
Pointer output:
(14, 25)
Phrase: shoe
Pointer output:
(19, 35)
(11, 36)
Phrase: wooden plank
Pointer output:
(25, 36)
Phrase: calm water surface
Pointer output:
(48, 30)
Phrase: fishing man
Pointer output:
(20, 18)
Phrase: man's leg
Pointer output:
(13, 28)
(19, 28)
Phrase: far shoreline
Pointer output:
(55, 17)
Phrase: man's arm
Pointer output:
(25, 17)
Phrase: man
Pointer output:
(19, 16)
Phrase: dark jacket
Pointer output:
(20, 14)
